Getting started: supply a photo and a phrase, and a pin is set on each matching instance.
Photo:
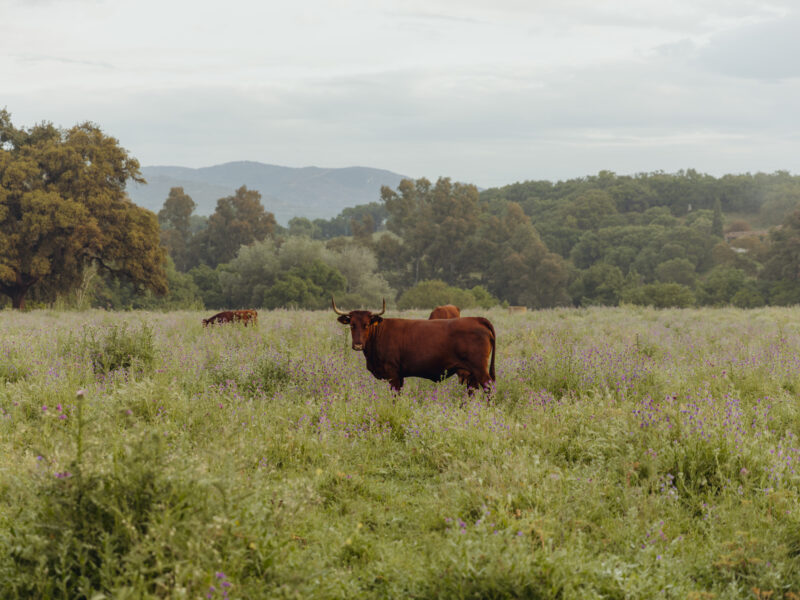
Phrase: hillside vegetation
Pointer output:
(663, 240)
(625, 453)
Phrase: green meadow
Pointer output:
(625, 453)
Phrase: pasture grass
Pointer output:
(624, 453)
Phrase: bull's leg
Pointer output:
(478, 379)
(472, 384)
(397, 383)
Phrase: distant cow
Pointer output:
(448, 311)
(231, 316)
(431, 349)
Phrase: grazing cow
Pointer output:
(431, 349)
(231, 316)
(246, 316)
(448, 311)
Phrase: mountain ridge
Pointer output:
(312, 192)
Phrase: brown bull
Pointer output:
(431, 349)
(230, 316)
(448, 311)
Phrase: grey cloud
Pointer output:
(489, 126)
(765, 51)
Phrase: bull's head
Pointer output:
(362, 323)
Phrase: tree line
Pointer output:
(69, 233)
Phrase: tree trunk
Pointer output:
(17, 292)
(18, 299)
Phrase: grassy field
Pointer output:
(626, 453)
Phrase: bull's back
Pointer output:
(430, 348)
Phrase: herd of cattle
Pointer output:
(445, 344)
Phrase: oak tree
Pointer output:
(63, 207)
(238, 220)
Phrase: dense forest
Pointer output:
(70, 236)
(659, 239)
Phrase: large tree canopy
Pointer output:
(445, 232)
(63, 207)
(175, 220)
(239, 220)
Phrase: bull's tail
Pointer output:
(488, 324)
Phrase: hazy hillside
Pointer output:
(310, 191)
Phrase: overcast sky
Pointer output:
(483, 91)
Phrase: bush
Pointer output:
(434, 292)
(784, 293)
(748, 296)
(308, 286)
(120, 348)
(91, 532)
(265, 375)
(660, 295)
(721, 285)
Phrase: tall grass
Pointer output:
(626, 453)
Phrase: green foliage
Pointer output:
(63, 208)
(601, 284)
(721, 285)
(665, 228)
(118, 347)
(782, 260)
(307, 286)
(660, 295)
(265, 375)
(429, 294)
(238, 220)
(445, 233)
(208, 285)
(103, 529)
(107, 292)
(750, 295)
(436, 224)
(676, 270)
(371, 216)
(483, 298)
(176, 226)
(784, 293)
(717, 220)
(301, 273)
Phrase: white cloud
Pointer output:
(487, 92)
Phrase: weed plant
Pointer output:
(625, 453)
(118, 347)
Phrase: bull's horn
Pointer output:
(338, 312)
(384, 309)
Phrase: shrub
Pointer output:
(434, 292)
(267, 374)
(721, 285)
(88, 532)
(660, 295)
(120, 348)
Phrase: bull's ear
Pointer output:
(344, 319)
(375, 319)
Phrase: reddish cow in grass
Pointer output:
(431, 349)
(448, 311)
(233, 316)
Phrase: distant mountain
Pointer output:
(285, 191)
